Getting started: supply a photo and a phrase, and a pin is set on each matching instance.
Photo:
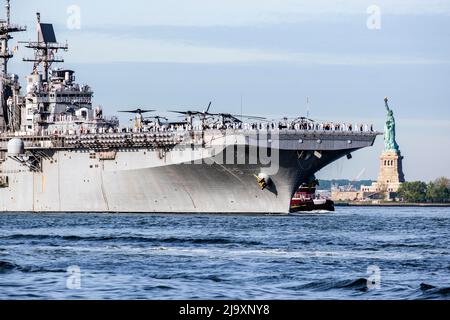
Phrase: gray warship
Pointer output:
(59, 153)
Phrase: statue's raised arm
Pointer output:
(386, 100)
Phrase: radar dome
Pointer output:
(16, 147)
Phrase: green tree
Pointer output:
(439, 190)
(413, 191)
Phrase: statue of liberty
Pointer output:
(389, 131)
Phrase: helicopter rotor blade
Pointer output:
(138, 111)
(229, 117)
(251, 117)
(304, 119)
(235, 119)
(180, 112)
(188, 113)
(209, 107)
(156, 117)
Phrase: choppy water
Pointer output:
(323, 256)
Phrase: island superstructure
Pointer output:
(59, 153)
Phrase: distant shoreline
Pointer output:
(394, 204)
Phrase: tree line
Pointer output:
(437, 191)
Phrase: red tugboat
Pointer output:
(305, 200)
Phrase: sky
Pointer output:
(346, 56)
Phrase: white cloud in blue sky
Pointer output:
(171, 51)
(226, 12)
(114, 30)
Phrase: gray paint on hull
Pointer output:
(140, 180)
(68, 186)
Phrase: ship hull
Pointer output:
(73, 182)
(184, 178)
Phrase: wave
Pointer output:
(214, 278)
(432, 292)
(407, 245)
(359, 284)
(164, 287)
(32, 269)
(131, 239)
(6, 266)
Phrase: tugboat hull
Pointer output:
(311, 206)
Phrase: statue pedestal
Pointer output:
(391, 170)
(390, 177)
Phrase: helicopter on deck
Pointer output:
(206, 118)
(215, 119)
(139, 118)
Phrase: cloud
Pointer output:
(254, 12)
(109, 49)
(433, 123)
(222, 12)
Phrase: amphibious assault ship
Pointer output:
(58, 153)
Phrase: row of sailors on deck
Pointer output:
(270, 126)
(311, 126)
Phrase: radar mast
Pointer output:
(44, 48)
(9, 86)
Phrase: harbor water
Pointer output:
(354, 253)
